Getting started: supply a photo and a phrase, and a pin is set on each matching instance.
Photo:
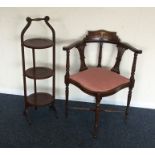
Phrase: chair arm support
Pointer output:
(128, 46)
(67, 66)
(73, 45)
(133, 69)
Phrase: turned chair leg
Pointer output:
(97, 112)
(66, 102)
(128, 102)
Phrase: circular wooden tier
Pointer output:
(38, 43)
(40, 99)
(39, 73)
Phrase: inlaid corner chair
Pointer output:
(106, 82)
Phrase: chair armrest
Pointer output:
(128, 46)
(73, 45)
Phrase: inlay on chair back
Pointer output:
(102, 36)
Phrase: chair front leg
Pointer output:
(128, 101)
(97, 111)
(67, 81)
(132, 82)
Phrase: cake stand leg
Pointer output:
(52, 106)
(25, 113)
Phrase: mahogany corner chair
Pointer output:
(107, 81)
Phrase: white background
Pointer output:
(133, 25)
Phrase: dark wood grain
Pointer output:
(38, 43)
(81, 48)
(120, 53)
(100, 54)
(39, 99)
(39, 73)
(102, 36)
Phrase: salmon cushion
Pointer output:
(99, 80)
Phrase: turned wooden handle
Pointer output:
(46, 18)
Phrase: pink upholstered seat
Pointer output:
(99, 80)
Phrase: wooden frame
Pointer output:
(38, 99)
(100, 37)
